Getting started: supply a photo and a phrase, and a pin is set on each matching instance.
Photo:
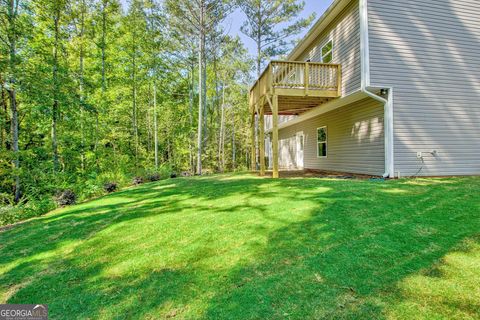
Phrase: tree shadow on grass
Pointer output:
(200, 254)
(347, 260)
(85, 220)
(58, 258)
(75, 290)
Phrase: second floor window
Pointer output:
(327, 52)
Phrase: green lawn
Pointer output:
(242, 247)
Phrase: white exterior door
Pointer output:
(300, 147)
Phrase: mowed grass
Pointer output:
(243, 247)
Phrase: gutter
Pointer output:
(372, 92)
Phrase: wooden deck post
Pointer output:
(339, 80)
(253, 157)
(306, 78)
(261, 138)
(275, 135)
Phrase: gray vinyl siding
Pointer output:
(344, 30)
(281, 119)
(429, 52)
(345, 33)
(355, 139)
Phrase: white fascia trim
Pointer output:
(324, 108)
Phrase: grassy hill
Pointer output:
(243, 247)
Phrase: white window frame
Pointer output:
(326, 142)
(331, 50)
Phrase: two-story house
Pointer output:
(379, 87)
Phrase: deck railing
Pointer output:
(307, 76)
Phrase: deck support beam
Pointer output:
(275, 135)
(253, 160)
(261, 139)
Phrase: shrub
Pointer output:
(32, 208)
(110, 187)
(37, 207)
(10, 214)
(88, 189)
(137, 180)
(120, 178)
(153, 177)
(207, 172)
(173, 175)
(65, 197)
(156, 174)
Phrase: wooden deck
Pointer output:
(299, 86)
(289, 88)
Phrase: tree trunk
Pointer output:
(103, 48)
(16, 160)
(259, 71)
(104, 43)
(55, 107)
(134, 97)
(234, 155)
(5, 119)
(202, 86)
(81, 85)
(216, 112)
(12, 37)
(191, 130)
(148, 122)
(155, 125)
(134, 118)
(259, 39)
(221, 140)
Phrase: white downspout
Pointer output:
(387, 128)
(365, 88)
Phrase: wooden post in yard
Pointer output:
(254, 151)
(261, 138)
(275, 135)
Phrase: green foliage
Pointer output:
(10, 214)
(271, 23)
(87, 69)
(163, 172)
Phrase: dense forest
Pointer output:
(95, 93)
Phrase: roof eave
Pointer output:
(327, 17)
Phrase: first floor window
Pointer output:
(322, 142)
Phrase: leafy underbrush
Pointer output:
(41, 198)
(10, 214)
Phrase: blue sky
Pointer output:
(234, 22)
